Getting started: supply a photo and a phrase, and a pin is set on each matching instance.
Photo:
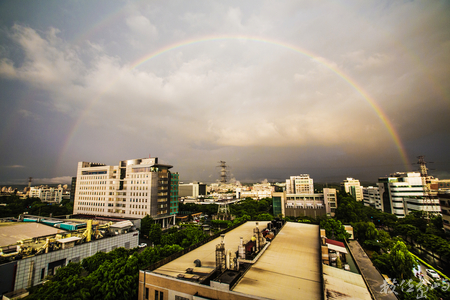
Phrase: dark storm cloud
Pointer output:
(72, 92)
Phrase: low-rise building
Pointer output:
(47, 194)
(36, 246)
(257, 260)
(311, 205)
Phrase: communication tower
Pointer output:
(426, 182)
(223, 171)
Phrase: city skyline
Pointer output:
(331, 89)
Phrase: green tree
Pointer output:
(155, 234)
(402, 262)
(146, 223)
(334, 229)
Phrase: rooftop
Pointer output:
(11, 232)
(290, 265)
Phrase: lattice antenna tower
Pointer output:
(424, 174)
(224, 170)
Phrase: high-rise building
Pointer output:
(133, 189)
(353, 187)
(405, 192)
(301, 184)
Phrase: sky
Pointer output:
(333, 89)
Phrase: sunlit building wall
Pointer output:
(404, 192)
(133, 189)
(371, 196)
(301, 184)
(353, 187)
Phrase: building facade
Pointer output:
(371, 196)
(194, 190)
(47, 194)
(301, 184)
(174, 193)
(353, 187)
(133, 189)
(311, 205)
(405, 192)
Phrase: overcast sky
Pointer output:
(333, 89)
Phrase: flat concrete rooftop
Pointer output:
(11, 232)
(290, 267)
(207, 253)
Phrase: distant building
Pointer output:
(443, 184)
(301, 184)
(47, 194)
(311, 205)
(73, 186)
(444, 201)
(257, 191)
(133, 189)
(371, 196)
(405, 192)
(353, 187)
(194, 190)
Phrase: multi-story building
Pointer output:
(193, 189)
(133, 189)
(444, 201)
(404, 192)
(312, 205)
(257, 191)
(174, 184)
(47, 194)
(301, 184)
(73, 186)
(371, 197)
(353, 187)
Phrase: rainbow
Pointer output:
(378, 110)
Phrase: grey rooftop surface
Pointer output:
(290, 267)
(11, 232)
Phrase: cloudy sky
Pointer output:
(333, 89)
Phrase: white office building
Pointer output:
(405, 192)
(133, 189)
(301, 184)
(353, 187)
(47, 194)
(371, 197)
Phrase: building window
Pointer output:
(146, 293)
(161, 296)
(42, 274)
(156, 295)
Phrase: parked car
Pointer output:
(433, 274)
(143, 245)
